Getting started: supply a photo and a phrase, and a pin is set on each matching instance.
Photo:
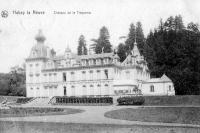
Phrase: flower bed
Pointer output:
(84, 100)
(131, 100)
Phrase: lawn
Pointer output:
(189, 100)
(185, 115)
(21, 112)
(41, 127)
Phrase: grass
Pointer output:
(184, 115)
(191, 100)
(22, 112)
(9, 98)
(41, 127)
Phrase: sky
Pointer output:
(17, 31)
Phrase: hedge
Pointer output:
(131, 100)
(83, 100)
(23, 100)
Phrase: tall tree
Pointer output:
(131, 38)
(178, 21)
(140, 39)
(102, 44)
(175, 51)
(82, 50)
(121, 51)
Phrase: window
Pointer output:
(31, 88)
(72, 76)
(127, 74)
(106, 73)
(91, 74)
(98, 74)
(83, 75)
(64, 77)
(170, 88)
(151, 88)
(36, 64)
(38, 88)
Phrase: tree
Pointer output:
(193, 27)
(178, 23)
(140, 39)
(82, 50)
(121, 52)
(131, 38)
(102, 44)
(175, 51)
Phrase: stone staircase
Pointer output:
(39, 101)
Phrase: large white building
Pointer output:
(48, 74)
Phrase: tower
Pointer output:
(34, 65)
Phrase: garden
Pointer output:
(83, 100)
(36, 111)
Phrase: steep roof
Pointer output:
(162, 79)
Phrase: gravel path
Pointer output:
(92, 114)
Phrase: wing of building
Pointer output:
(48, 74)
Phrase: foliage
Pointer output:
(175, 50)
(135, 34)
(13, 83)
(82, 50)
(84, 100)
(121, 52)
(131, 100)
(102, 44)
(23, 100)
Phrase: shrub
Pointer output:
(131, 100)
(23, 100)
(83, 100)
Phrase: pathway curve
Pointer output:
(92, 114)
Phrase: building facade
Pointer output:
(48, 74)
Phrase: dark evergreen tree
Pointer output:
(178, 23)
(82, 50)
(102, 44)
(131, 38)
(140, 39)
(121, 51)
(175, 51)
(170, 24)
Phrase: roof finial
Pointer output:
(40, 37)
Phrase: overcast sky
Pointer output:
(17, 32)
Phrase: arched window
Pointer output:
(151, 88)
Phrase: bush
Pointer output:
(131, 100)
(23, 100)
(83, 100)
